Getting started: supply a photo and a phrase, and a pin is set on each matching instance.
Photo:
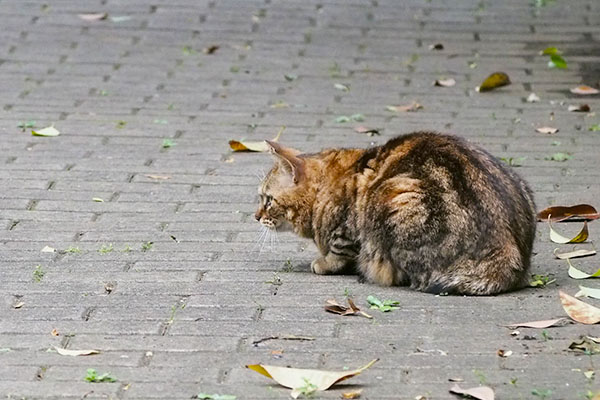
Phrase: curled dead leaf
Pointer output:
(50, 131)
(560, 239)
(586, 344)
(584, 90)
(479, 393)
(74, 353)
(504, 353)
(588, 292)
(562, 213)
(414, 106)
(579, 108)
(54, 332)
(578, 310)
(355, 394)
(546, 129)
(574, 254)
(334, 307)
(93, 17)
(495, 80)
(158, 177)
(296, 378)
(210, 49)
(368, 131)
(539, 324)
(437, 46)
(444, 82)
(18, 304)
(254, 146)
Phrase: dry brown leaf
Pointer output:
(574, 254)
(560, 239)
(210, 49)
(584, 89)
(546, 129)
(444, 82)
(495, 80)
(93, 17)
(579, 108)
(355, 394)
(158, 177)
(295, 378)
(368, 131)
(479, 393)
(414, 106)
(539, 324)
(254, 146)
(456, 380)
(562, 213)
(54, 332)
(578, 310)
(75, 353)
(336, 308)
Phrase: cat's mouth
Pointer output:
(269, 223)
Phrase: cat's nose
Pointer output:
(257, 215)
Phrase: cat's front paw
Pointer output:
(319, 266)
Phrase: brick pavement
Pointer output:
(181, 318)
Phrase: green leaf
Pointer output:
(383, 306)
(48, 132)
(342, 119)
(595, 128)
(98, 200)
(290, 77)
(559, 157)
(161, 121)
(550, 51)
(342, 87)
(557, 62)
(120, 18)
(357, 117)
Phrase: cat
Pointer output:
(425, 210)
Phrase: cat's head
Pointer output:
(285, 192)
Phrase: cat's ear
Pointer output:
(290, 159)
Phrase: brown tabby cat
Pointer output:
(425, 210)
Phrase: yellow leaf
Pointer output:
(577, 274)
(558, 238)
(261, 146)
(295, 378)
(66, 352)
(495, 80)
(48, 132)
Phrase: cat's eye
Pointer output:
(268, 200)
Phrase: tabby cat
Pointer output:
(425, 210)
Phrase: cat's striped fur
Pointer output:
(426, 210)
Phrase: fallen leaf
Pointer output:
(210, 49)
(589, 374)
(19, 304)
(120, 18)
(367, 131)
(342, 87)
(594, 128)
(98, 200)
(577, 274)
(158, 177)
(74, 353)
(342, 119)
(588, 292)
(437, 46)
(54, 332)
(574, 254)
(504, 353)
(532, 98)
(444, 82)
(548, 51)
(479, 393)
(414, 106)
(586, 344)
(336, 308)
(254, 146)
(559, 157)
(48, 249)
(558, 238)
(557, 61)
(539, 324)
(578, 310)
(352, 395)
(495, 80)
(357, 117)
(383, 306)
(290, 77)
(280, 104)
(50, 131)
(295, 378)
(456, 380)
(584, 90)
(546, 129)
(562, 213)
(579, 108)
(205, 396)
(93, 17)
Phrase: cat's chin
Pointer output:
(284, 226)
